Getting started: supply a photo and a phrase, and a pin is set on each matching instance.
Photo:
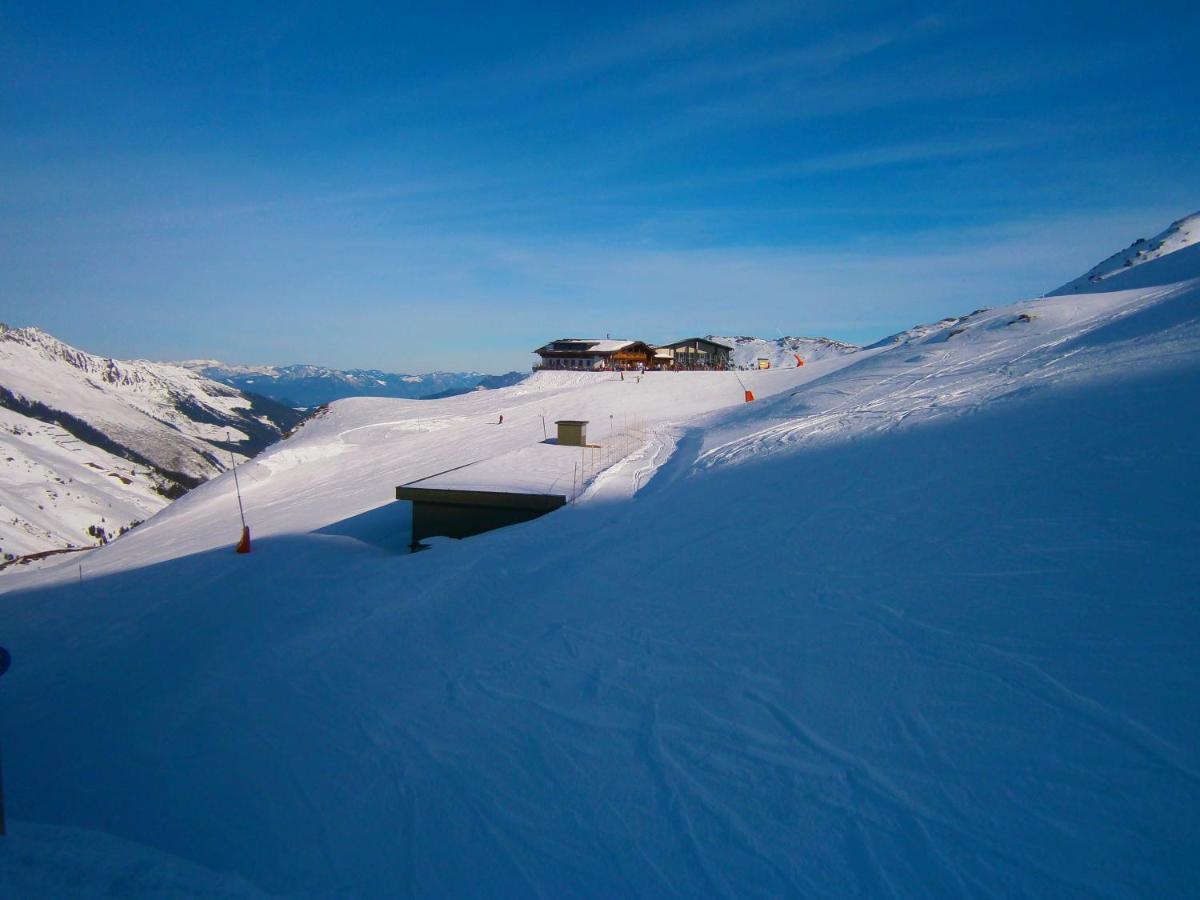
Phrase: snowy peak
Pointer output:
(139, 374)
(1114, 273)
(52, 349)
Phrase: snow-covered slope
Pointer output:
(308, 386)
(782, 352)
(1115, 272)
(918, 621)
(347, 461)
(91, 445)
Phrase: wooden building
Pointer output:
(693, 353)
(572, 432)
(594, 355)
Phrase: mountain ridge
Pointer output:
(91, 445)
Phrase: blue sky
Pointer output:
(413, 187)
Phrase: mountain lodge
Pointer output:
(584, 354)
(598, 355)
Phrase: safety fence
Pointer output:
(625, 435)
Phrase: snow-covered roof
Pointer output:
(590, 345)
(607, 346)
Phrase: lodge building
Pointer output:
(596, 355)
(692, 354)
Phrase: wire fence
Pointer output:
(625, 435)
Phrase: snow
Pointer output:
(56, 487)
(47, 862)
(781, 352)
(349, 461)
(919, 620)
(1120, 268)
(203, 367)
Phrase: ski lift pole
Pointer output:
(243, 545)
(237, 487)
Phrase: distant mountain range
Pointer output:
(303, 386)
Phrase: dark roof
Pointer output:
(702, 340)
(503, 499)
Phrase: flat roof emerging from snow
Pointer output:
(503, 499)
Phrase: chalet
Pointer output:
(693, 353)
(593, 355)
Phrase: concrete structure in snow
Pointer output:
(442, 512)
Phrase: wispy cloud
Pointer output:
(691, 30)
(876, 156)
(636, 45)
(907, 153)
(910, 83)
(823, 55)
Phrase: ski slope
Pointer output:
(918, 621)
(348, 461)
